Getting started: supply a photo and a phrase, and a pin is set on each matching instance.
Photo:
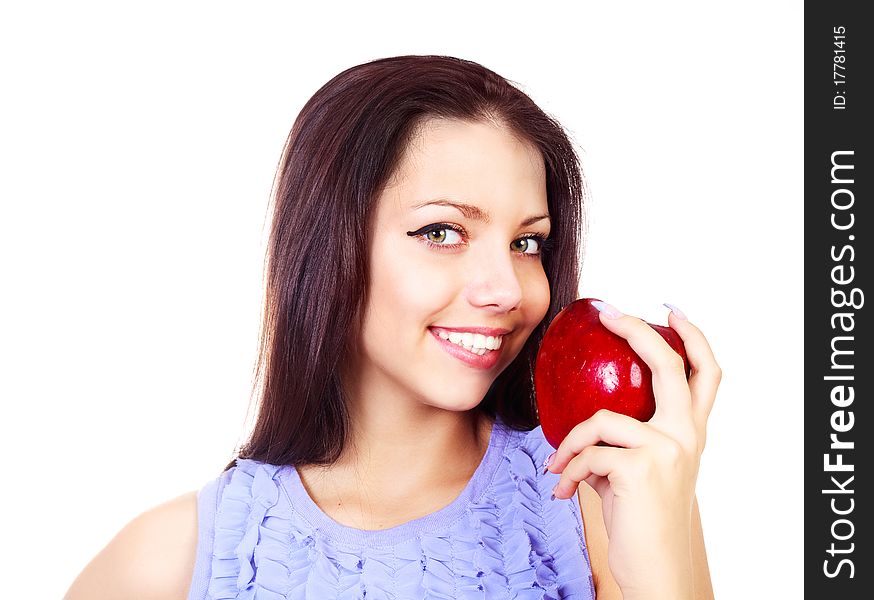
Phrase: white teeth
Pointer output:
(473, 342)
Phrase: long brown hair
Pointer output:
(342, 149)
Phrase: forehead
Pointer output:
(480, 163)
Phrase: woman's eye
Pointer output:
(440, 236)
(527, 245)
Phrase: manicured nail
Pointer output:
(677, 312)
(553, 493)
(548, 462)
(552, 497)
(608, 309)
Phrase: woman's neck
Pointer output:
(415, 447)
(399, 467)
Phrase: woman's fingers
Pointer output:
(579, 457)
(669, 383)
(593, 460)
(706, 373)
(604, 426)
(626, 469)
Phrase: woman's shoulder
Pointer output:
(151, 557)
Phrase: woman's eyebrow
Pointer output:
(473, 212)
(534, 219)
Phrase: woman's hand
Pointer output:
(646, 477)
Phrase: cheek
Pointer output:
(537, 296)
(404, 288)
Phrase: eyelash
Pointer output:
(544, 244)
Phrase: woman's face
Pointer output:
(456, 282)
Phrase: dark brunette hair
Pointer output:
(344, 146)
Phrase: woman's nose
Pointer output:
(496, 284)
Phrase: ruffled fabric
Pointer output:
(502, 538)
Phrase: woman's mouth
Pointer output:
(472, 342)
(474, 349)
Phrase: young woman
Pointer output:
(427, 227)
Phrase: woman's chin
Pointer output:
(464, 404)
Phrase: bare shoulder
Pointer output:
(152, 557)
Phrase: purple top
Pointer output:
(263, 537)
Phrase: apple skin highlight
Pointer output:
(583, 367)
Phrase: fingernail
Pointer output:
(552, 497)
(608, 309)
(548, 462)
(553, 493)
(677, 312)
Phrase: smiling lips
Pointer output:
(472, 342)
(478, 347)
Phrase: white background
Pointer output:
(137, 149)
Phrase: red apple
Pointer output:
(582, 367)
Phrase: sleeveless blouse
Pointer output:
(261, 536)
